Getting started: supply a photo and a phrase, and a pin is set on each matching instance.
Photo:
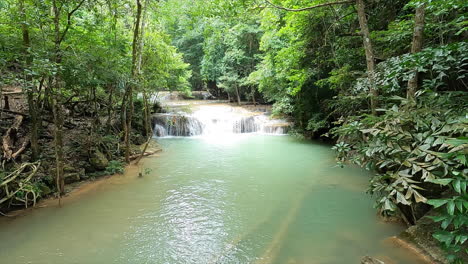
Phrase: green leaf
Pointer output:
(455, 142)
(443, 182)
(437, 202)
(438, 218)
(457, 186)
(451, 207)
(459, 205)
(446, 223)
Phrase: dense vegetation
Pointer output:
(385, 79)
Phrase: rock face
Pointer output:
(98, 160)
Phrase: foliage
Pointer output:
(414, 150)
(453, 209)
(115, 167)
(442, 68)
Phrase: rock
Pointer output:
(139, 139)
(68, 169)
(45, 190)
(371, 260)
(71, 177)
(98, 160)
(418, 238)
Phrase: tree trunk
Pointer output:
(6, 104)
(238, 95)
(253, 95)
(146, 122)
(123, 112)
(416, 46)
(130, 108)
(370, 60)
(32, 104)
(57, 106)
(110, 108)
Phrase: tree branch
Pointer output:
(310, 7)
(69, 15)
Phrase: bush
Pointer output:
(115, 167)
(419, 151)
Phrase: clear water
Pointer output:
(238, 199)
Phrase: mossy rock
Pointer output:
(71, 177)
(98, 160)
(45, 190)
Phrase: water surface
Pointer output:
(231, 199)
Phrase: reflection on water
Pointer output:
(264, 199)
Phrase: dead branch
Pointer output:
(144, 154)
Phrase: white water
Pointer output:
(217, 120)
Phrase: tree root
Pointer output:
(12, 184)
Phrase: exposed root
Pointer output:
(13, 184)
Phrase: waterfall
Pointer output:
(176, 125)
(216, 120)
(246, 125)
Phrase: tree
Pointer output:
(370, 59)
(134, 75)
(416, 47)
(56, 85)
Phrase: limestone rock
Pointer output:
(98, 160)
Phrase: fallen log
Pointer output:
(145, 154)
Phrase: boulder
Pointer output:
(45, 190)
(98, 160)
(71, 177)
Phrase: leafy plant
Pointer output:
(115, 167)
(419, 153)
(453, 209)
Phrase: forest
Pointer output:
(383, 82)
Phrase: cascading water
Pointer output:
(216, 120)
(176, 125)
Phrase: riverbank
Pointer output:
(77, 190)
(91, 144)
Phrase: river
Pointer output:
(238, 198)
